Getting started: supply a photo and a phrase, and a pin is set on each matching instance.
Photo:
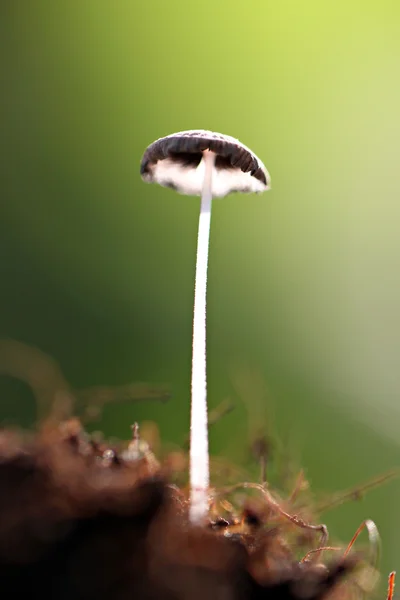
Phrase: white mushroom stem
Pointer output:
(199, 460)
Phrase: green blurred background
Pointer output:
(97, 268)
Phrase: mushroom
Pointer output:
(210, 165)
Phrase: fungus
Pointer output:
(210, 165)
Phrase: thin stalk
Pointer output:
(199, 460)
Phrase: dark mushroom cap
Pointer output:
(175, 161)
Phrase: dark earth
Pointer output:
(81, 520)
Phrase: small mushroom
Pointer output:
(210, 165)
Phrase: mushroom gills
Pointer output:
(185, 173)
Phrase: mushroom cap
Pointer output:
(175, 161)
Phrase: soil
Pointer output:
(81, 520)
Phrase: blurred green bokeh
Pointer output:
(97, 268)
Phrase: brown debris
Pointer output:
(81, 520)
